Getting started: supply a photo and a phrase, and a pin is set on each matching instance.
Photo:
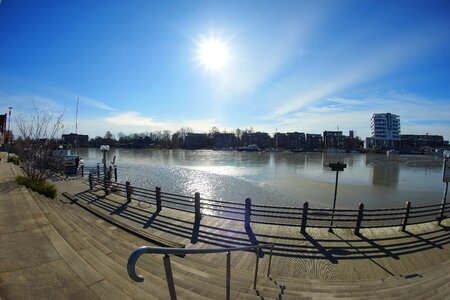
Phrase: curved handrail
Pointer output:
(134, 256)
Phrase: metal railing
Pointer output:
(303, 216)
(132, 260)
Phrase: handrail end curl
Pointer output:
(131, 264)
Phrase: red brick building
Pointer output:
(2, 128)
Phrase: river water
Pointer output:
(282, 178)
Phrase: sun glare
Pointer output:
(213, 54)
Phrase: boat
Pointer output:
(249, 148)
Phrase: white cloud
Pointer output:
(134, 122)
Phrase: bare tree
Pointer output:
(39, 129)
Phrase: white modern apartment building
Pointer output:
(385, 131)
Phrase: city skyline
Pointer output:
(301, 66)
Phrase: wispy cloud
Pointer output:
(95, 103)
(348, 73)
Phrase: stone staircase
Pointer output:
(55, 249)
(97, 251)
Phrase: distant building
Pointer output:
(280, 140)
(225, 140)
(260, 139)
(143, 142)
(82, 140)
(195, 141)
(419, 142)
(385, 131)
(313, 141)
(333, 139)
(3, 129)
(296, 140)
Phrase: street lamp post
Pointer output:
(104, 148)
(335, 167)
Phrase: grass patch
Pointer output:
(40, 186)
(14, 159)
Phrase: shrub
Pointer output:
(14, 159)
(40, 186)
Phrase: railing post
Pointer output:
(405, 219)
(444, 202)
(128, 191)
(105, 185)
(304, 217)
(115, 173)
(169, 277)
(248, 212)
(228, 279)
(256, 267)
(98, 170)
(270, 261)
(360, 218)
(158, 198)
(91, 184)
(198, 215)
(82, 170)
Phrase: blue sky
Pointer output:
(303, 66)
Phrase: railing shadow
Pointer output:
(218, 233)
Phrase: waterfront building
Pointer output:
(280, 140)
(195, 141)
(296, 140)
(333, 139)
(3, 129)
(313, 141)
(420, 142)
(73, 139)
(260, 139)
(225, 140)
(385, 131)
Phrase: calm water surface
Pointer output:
(282, 178)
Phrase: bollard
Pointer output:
(115, 173)
(98, 171)
(128, 191)
(105, 185)
(405, 219)
(82, 170)
(110, 172)
(248, 212)
(198, 215)
(360, 218)
(158, 198)
(91, 184)
(304, 217)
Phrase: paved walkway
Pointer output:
(31, 251)
(375, 254)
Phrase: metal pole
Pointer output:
(334, 202)
(104, 163)
(270, 261)
(169, 277)
(444, 202)
(256, 268)
(228, 283)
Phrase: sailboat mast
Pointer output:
(76, 128)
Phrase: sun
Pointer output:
(213, 54)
